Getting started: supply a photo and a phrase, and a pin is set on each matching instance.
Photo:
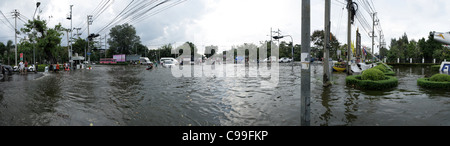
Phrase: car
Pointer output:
(169, 59)
(168, 64)
(285, 60)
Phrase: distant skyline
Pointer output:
(234, 22)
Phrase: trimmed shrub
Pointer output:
(381, 68)
(435, 67)
(440, 78)
(373, 74)
(41, 67)
(357, 82)
(390, 73)
(427, 83)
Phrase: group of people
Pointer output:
(54, 67)
(23, 67)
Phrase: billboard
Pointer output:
(119, 58)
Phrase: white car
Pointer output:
(168, 64)
(285, 60)
(168, 59)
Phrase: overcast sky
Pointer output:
(233, 22)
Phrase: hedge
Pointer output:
(381, 68)
(435, 67)
(41, 67)
(357, 82)
(427, 83)
(385, 70)
(390, 73)
(440, 78)
(373, 74)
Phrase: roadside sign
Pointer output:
(89, 53)
(21, 56)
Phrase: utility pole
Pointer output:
(326, 55)
(305, 64)
(271, 34)
(16, 14)
(89, 21)
(373, 36)
(69, 39)
(77, 34)
(349, 35)
(70, 50)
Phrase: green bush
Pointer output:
(427, 83)
(41, 67)
(390, 73)
(435, 67)
(357, 82)
(381, 68)
(440, 78)
(373, 74)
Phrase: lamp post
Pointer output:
(37, 6)
(34, 46)
(292, 40)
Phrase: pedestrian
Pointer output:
(36, 67)
(57, 67)
(21, 67)
(26, 67)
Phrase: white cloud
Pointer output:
(234, 22)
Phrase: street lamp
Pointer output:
(34, 46)
(37, 6)
(292, 40)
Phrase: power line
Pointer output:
(117, 16)
(10, 24)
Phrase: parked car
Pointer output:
(285, 60)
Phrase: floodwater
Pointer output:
(131, 95)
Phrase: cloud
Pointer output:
(234, 22)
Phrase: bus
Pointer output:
(108, 61)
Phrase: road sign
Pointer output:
(21, 56)
(89, 53)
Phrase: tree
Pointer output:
(2, 52)
(318, 38)
(413, 51)
(383, 52)
(47, 39)
(122, 39)
(79, 46)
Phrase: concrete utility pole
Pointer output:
(349, 35)
(305, 61)
(89, 21)
(16, 14)
(373, 36)
(326, 55)
(70, 50)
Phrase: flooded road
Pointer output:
(131, 95)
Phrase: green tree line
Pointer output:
(404, 49)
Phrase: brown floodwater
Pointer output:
(131, 95)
